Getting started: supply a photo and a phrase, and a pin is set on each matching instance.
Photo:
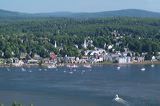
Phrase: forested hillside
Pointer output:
(38, 35)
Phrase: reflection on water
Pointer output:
(96, 86)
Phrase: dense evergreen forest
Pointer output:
(38, 35)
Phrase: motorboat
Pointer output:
(152, 65)
(118, 68)
(121, 101)
(117, 98)
(71, 72)
(51, 66)
(143, 69)
(72, 66)
(87, 66)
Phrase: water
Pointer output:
(96, 86)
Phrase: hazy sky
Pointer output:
(34, 6)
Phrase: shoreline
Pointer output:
(80, 64)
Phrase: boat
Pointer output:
(72, 66)
(30, 71)
(87, 66)
(143, 69)
(118, 68)
(121, 101)
(40, 69)
(71, 72)
(152, 65)
(51, 66)
(117, 98)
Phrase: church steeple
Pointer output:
(85, 44)
(55, 44)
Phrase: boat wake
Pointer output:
(121, 101)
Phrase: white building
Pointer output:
(32, 61)
(18, 64)
(110, 47)
(124, 60)
(154, 58)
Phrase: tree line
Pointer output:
(38, 35)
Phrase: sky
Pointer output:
(42, 6)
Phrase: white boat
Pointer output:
(87, 66)
(121, 101)
(40, 69)
(51, 66)
(72, 66)
(30, 71)
(117, 98)
(118, 68)
(143, 69)
(71, 72)
(152, 65)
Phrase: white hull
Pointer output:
(143, 69)
(51, 66)
(87, 66)
(72, 66)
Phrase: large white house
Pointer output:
(124, 60)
